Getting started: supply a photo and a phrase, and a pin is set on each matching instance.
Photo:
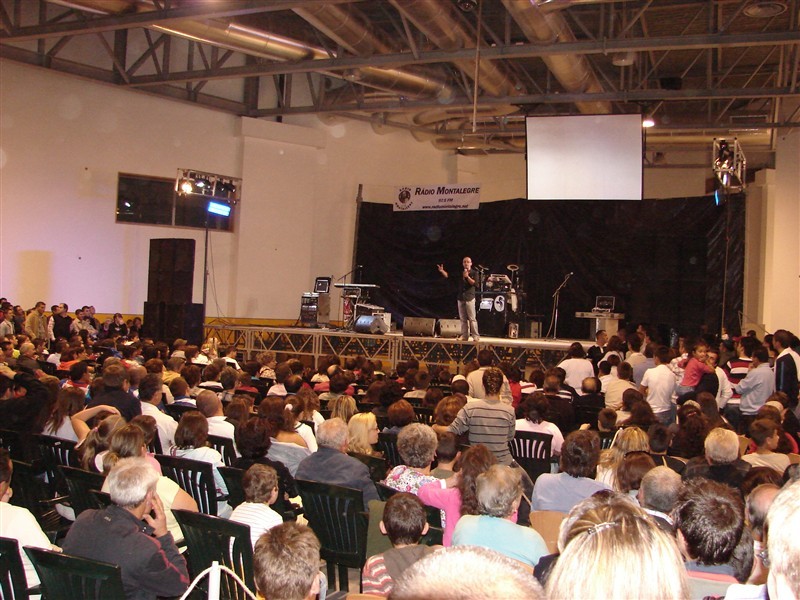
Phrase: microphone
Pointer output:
(571, 273)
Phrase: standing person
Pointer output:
(787, 366)
(36, 322)
(466, 299)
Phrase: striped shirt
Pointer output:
(736, 369)
(260, 517)
(489, 422)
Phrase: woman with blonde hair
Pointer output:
(362, 433)
(343, 407)
(630, 439)
(610, 548)
(95, 440)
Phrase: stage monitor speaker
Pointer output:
(449, 328)
(170, 275)
(371, 324)
(419, 326)
(535, 329)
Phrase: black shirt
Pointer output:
(466, 291)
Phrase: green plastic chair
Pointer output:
(67, 577)
(225, 447)
(210, 539)
(531, 451)
(335, 514)
(377, 465)
(33, 493)
(80, 484)
(195, 477)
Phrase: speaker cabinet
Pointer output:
(419, 326)
(493, 314)
(324, 309)
(449, 328)
(374, 324)
(168, 322)
(170, 277)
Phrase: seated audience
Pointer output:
(576, 481)
(331, 464)
(659, 438)
(447, 454)
(95, 441)
(115, 393)
(404, 523)
(69, 403)
(281, 421)
(459, 497)
(399, 414)
(687, 442)
(499, 493)
(342, 407)
(362, 434)
(766, 435)
(709, 519)
(721, 461)
(631, 557)
(132, 533)
(631, 439)
(416, 444)
(286, 563)
(657, 495)
(783, 523)
(632, 469)
(618, 386)
(260, 484)
(534, 410)
(467, 573)
(150, 397)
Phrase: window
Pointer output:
(153, 201)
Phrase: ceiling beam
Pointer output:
(686, 42)
(219, 10)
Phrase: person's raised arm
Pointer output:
(442, 271)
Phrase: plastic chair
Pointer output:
(548, 523)
(336, 516)
(56, 451)
(80, 484)
(33, 493)
(225, 447)
(606, 439)
(233, 481)
(176, 410)
(228, 542)
(387, 443)
(424, 414)
(195, 477)
(433, 515)
(377, 466)
(531, 450)
(13, 585)
(67, 577)
(154, 446)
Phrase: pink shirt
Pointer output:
(446, 499)
(693, 372)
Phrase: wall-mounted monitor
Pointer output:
(584, 157)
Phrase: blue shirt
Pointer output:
(514, 541)
(755, 388)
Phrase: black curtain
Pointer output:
(664, 260)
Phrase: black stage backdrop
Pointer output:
(663, 260)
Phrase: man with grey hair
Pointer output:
(783, 523)
(132, 532)
(331, 464)
(721, 462)
(657, 495)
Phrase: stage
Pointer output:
(389, 348)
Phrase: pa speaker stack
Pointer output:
(449, 328)
(374, 324)
(419, 326)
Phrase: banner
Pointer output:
(438, 197)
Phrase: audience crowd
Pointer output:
(673, 472)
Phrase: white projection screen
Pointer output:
(584, 157)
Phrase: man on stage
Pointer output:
(466, 299)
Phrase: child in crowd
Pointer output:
(447, 454)
(404, 522)
(260, 484)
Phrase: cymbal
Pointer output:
(512, 267)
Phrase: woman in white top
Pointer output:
(577, 366)
(69, 403)
(190, 442)
(535, 409)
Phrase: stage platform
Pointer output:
(389, 348)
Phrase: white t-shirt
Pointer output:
(577, 370)
(543, 427)
(64, 431)
(773, 460)
(19, 524)
(660, 384)
(259, 517)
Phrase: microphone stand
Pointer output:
(556, 297)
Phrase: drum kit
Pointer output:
(502, 283)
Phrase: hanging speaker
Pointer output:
(419, 326)
(449, 328)
(371, 324)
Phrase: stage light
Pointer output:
(648, 122)
(186, 186)
(191, 182)
(729, 164)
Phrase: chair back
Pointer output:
(101, 499)
(548, 524)
(210, 539)
(233, 481)
(195, 477)
(13, 585)
(387, 443)
(13, 442)
(56, 451)
(155, 447)
(432, 515)
(531, 450)
(225, 447)
(424, 414)
(80, 484)
(606, 439)
(176, 410)
(376, 465)
(337, 517)
(31, 492)
(67, 577)
(587, 414)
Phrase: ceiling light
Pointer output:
(648, 122)
(186, 186)
(467, 5)
(765, 9)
